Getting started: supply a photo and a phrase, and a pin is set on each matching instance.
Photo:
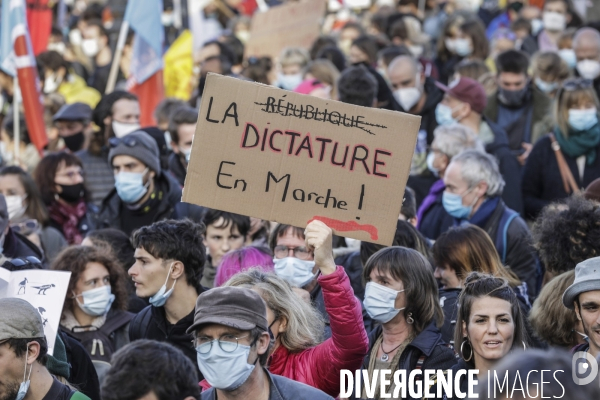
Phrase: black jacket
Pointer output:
(449, 304)
(520, 254)
(83, 374)
(177, 169)
(18, 246)
(170, 206)
(509, 167)
(542, 183)
(151, 323)
(429, 343)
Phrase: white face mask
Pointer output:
(187, 153)
(380, 302)
(289, 82)
(416, 51)
(121, 128)
(554, 21)
(90, 47)
(51, 83)
(408, 97)
(59, 47)
(294, 270)
(75, 37)
(14, 206)
(536, 26)
(588, 69)
(569, 56)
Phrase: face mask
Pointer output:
(345, 46)
(24, 388)
(130, 186)
(536, 26)
(380, 301)
(383, 73)
(90, 47)
(160, 298)
(59, 47)
(554, 21)
(96, 302)
(72, 193)
(582, 120)
(416, 51)
(462, 47)
(430, 159)
(74, 142)
(225, 371)
(51, 84)
(453, 205)
(588, 69)
(443, 115)
(512, 98)
(14, 206)
(294, 270)
(583, 335)
(186, 153)
(121, 128)
(569, 56)
(407, 97)
(289, 82)
(244, 36)
(166, 19)
(75, 37)
(546, 87)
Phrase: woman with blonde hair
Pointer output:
(292, 61)
(566, 159)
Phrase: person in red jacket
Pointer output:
(297, 328)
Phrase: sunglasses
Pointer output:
(576, 84)
(19, 262)
(26, 227)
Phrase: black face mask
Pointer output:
(72, 193)
(513, 98)
(74, 142)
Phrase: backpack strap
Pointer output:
(502, 234)
(139, 324)
(117, 320)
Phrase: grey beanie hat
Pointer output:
(138, 145)
(587, 279)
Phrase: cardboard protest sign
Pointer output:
(291, 158)
(293, 24)
(45, 290)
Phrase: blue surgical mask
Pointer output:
(453, 205)
(96, 302)
(380, 302)
(546, 87)
(294, 270)
(443, 115)
(430, 159)
(582, 120)
(462, 47)
(289, 82)
(222, 370)
(130, 186)
(569, 56)
(24, 388)
(160, 298)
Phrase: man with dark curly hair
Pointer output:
(566, 234)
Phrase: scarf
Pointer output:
(68, 217)
(580, 143)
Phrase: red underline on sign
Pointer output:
(345, 226)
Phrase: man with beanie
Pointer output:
(143, 194)
(23, 356)
(231, 337)
(74, 125)
(463, 103)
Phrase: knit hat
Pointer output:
(57, 363)
(139, 145)
(592, 192)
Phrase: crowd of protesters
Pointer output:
(495, 263)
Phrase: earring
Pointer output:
(410, 319)
(463, 353)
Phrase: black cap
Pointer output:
(237, 307)
(73, 112)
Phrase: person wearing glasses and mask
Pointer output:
(574, 139)
(59, 176)
(94, 310)
(143, 194)
(232, 343)
(169, 256)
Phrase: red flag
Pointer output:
(29, 85)
(39, 15)
(150, 93)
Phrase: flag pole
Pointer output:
(114, 68)
(16, 121)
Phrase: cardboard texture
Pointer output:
(295, 24)
(291, 158)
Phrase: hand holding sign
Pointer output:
(319, 238)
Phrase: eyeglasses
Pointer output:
(576, 84)
(299, 252)
(26, 227)
(227, 343)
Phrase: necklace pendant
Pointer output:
(384, 357)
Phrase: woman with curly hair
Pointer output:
(566, 234)
(94, 310)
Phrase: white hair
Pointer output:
(453, 139)
(477, 166)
